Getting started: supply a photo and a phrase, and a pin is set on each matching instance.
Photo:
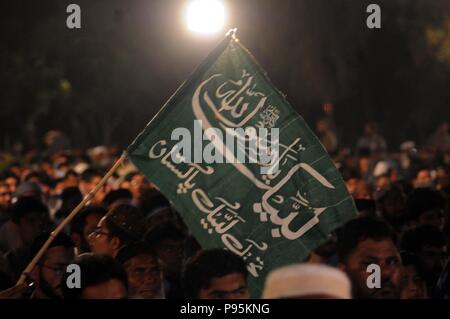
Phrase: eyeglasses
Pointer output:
(58, 270)
(98, 232)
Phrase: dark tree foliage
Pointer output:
(101, 84)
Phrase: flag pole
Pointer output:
(69, 218)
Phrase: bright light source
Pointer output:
(205, 16)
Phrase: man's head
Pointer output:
(430, 246)
(118, 196)
(167, 240)
(307, 281)
(5, 196)
(426, 207)
(32, 218)
(370, 129)
(12, 181)
(102, 277)
(391, 203)
(29, 189)
(143, 270)
(89, 179)
(215, 274)
(365, 241)
(84, 224)
(423, 179)
(138, 185)
(48, 273)
(70, 198)
(414, 285)
(71, 179)
(122, 225)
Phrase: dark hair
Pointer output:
(70, 172)
(95, 270)
(410, 259)
(132, 220)
(71, 197)
(360, 229)
(79, 222)
(209, 264)
(165, 231)
(153, 200)
(89, 174)
(34, 174)
(27, 205)
(426, 235)
(134, 249)
(62, 239)
(115, 195)
(422, 200)
(10, 175)
(130, 176)
(115, 231)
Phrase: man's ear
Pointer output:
(116, 243)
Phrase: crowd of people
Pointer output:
(130, 242)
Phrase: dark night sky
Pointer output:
(131, 55)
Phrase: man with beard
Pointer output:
(215, 274)
(145, 278)
(168, 241)
(426, 207)
(47, 275)
(84, 224)
(122, 225)
(429, 244)
(138, 186)
(391, 205)
(363, 242)
(415, 286)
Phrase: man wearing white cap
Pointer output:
(307, 281)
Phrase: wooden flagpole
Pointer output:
(69, 218)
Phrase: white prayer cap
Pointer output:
(307, 280)
(80, 168)
(382, 168)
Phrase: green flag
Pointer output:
(270, 202)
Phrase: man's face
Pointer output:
(100, 241)
(382, 253)
(433, 217)
(91, 223)
(5, 196)
(161, 217)
(111, 289)
(415, 286)
(171, 254)
(351, 185)
(32, 225)
(382, 182)
(71, 181)
(364, 165)
(87, 186)
(423, 179)
(394, 203)
(138, 186)
(144, 276)
(232, 286)
(52, 270)
(433, 260)
(12, 184)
